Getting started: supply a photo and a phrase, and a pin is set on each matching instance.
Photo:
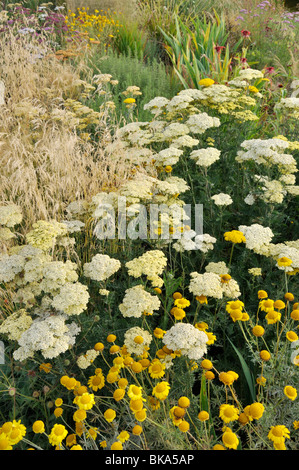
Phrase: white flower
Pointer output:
(72, 299)
(138, 302)
(256, 236)
(187, 339)
(51, 336)
(134, 347)
(222, 199)
(10, 215)
(207, 284)
(101, 267)
(205, 157)
(199, 123)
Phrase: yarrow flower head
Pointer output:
(187, 339)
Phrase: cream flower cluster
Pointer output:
(15, 324)
(289, 107)
(51, 336)
(10, 215)
(137, 302)
(85, 360)
(137, 347)
(72, 299)
(222, 199)
(205, 157)
(56, 274)
(151, 264)
(44, 234)
(209, 284)
(191, 241)
(187, 339)
(257, 236)
(101, 267)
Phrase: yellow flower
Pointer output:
(206, 82)
(273, 317)
(255, 410)
(46, 367)
(159, 333)
(119, 394)
(137, 430)
(290, 392)
(58, 433)
(253, 89)
(79, 416)
(284, 261)
(85, 401)
(292, 336)
(258, 330)
(117, 446)
(262, 294)
(228, 413)
(123, 436)
(161, 390)
(184, 402)
(203, 415)
(156, 369)
(182, 303)
(38, 427)
(109, 415)
(278, 434)
(129, 100)
(135, 392)
(266, 305)
(206, 364)
(4, 442)
(14, 430)
(265, 355)
(235, 236)
(230, 439)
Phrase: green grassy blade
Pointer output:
(247, 372)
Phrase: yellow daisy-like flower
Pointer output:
(4, 442)
(258, 330)
(284, 262)
(156, 369)
(292, 336)
(161, 390)
(123, 436)
(85, 401)
(273, 317)
(235, 236)
(58, 433)
(109, 415)
(278, 434)
(234, 305)
(182, 303)
(290, 392)
(135, 392)
(255, 410)
(230, 439)
(262, 294)
(96, 382)
(38, 427)
(14, 430)
(228, 413)
(119, 394)
(266, 305)
(203, 416)
(79, 416)
(117, 446)
(159, 333)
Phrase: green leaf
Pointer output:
(247, 372)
